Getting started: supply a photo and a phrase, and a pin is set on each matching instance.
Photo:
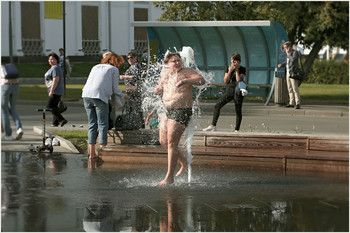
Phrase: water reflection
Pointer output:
(59, 193)
(99, 217)
(169, 221)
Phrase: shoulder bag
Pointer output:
(297, 73)
(62, 107)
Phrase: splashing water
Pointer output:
(151, 100)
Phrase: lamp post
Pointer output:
(10, 33)
(64, 45)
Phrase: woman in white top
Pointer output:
(103, 81)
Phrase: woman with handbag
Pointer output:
(102, 83)
(234, 74)
(292, 84)
(55, 89)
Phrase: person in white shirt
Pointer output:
(102, 83)
(9, 95)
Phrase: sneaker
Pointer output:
(210, 128)
(7, 138)
(297, 106)
(19, 133)
(63, 122)
(289, 106)
(55, 142)
(236, 131)
(48, 142)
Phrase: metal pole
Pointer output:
(109, 27)
(10, 33)
(64, 45)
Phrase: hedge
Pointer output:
(328, 72)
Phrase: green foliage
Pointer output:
(305, 22)
(328, 72)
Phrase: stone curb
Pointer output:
(249, 109)
(63, 142)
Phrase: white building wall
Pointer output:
(16, 29)
(4, 29)
(122, 34)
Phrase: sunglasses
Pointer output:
(130, 58)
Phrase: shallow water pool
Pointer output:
(64, 192)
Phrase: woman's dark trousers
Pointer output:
(53, 105)
(226, 98)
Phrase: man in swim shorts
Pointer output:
(181, 115)
(176, 83)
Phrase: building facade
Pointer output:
(90, 27)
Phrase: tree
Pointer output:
(312, 24)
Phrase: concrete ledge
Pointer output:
(63, 142)
(264, 150)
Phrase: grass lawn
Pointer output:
(324, 93)
(78, 138)
(310, 93)
(38, 70)
(39, 92)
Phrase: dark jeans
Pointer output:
(226, 98)
(52, 104)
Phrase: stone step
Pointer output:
(212, 156)
(238, 140)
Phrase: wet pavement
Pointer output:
(64, 192)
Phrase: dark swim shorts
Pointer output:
(181, 115)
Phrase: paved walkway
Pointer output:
(310, 119)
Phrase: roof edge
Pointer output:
(253, 23)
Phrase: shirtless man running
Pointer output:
(176, 83)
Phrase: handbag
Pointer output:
(62, 107)
(128, 120)
(297, 74)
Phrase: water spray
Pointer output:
(150, 100)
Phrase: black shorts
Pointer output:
(181, 115)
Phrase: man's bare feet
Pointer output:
(165, 182)
(183, 167)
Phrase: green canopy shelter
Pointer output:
(213, 42)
